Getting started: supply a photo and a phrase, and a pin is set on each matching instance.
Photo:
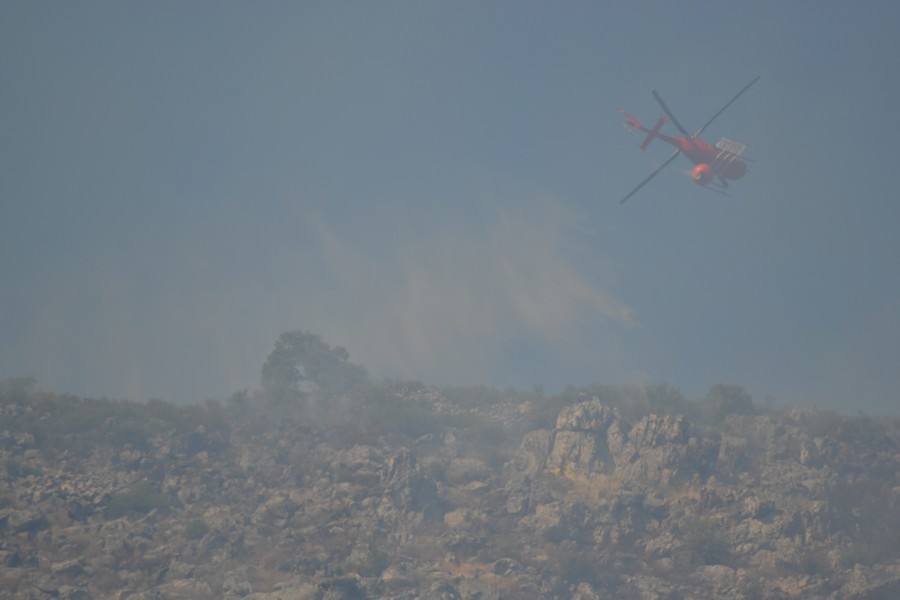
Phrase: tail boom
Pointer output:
(632, 121)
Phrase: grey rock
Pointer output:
(578, 454)
(184, 589)
(589, 415)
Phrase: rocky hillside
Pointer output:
(411, 492)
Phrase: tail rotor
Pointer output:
(631, 122)
(652, 133)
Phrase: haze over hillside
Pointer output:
(435, 187)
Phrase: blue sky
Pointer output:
(435, 186)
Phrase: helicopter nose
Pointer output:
(701, 173)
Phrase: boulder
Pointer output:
(533, 450)
(589, 415)
(578, 455)
(578, 447)
(406, 487)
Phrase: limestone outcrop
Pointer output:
(149, 502)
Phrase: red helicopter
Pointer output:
(713, 165)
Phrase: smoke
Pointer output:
(506, 296)
(453, 305)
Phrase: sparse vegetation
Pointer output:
(443, 488)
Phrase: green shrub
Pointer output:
(389, 414)
(301, 360)
(860, 553)
(133, 432)
(723, 400)
(196, 529)
(15, 390)
(866, 509)
(632, 401)
(375, 564)
(141, 498)
(814, 562)
(16, 470)
(342, 587)
(577, 567)
(705, 541)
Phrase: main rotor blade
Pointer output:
(669, 112)
(650, 176)
(730, 102)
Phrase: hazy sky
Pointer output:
(435, 186)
